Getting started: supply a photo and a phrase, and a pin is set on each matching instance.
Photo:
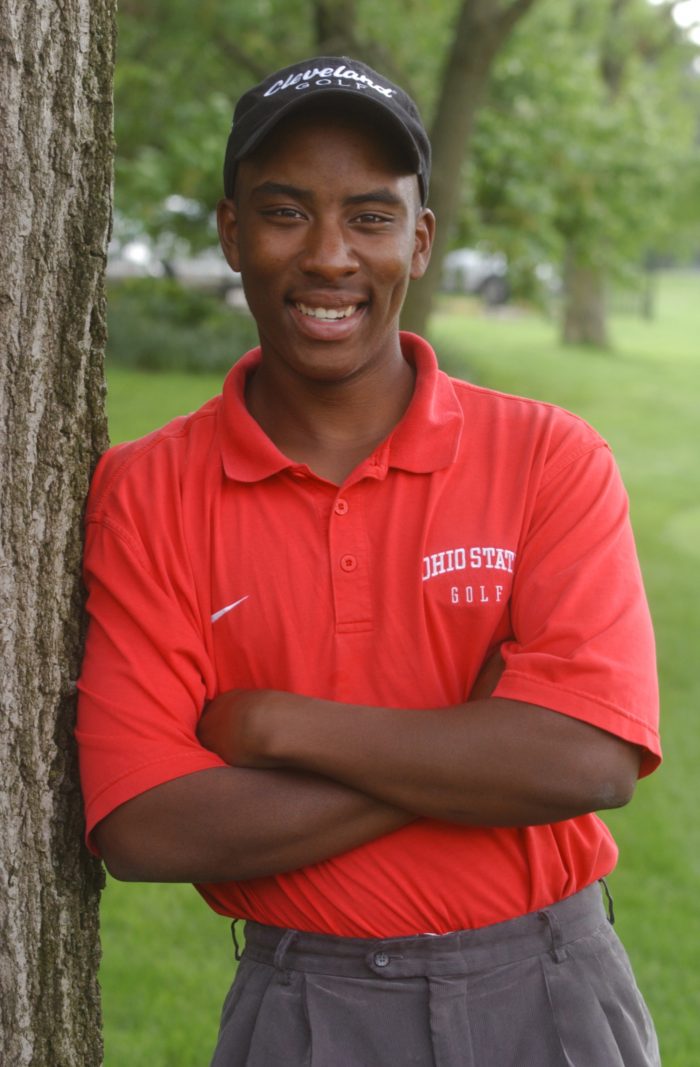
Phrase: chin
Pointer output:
(329, 361)
(328, 371)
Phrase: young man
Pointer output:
(369, 646)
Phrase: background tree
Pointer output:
(628, 40)
(335, 27)
(585, 156)
(55, 173)
(481, 29)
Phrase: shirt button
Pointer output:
(348, 563)
(341, 507)
(381, 959)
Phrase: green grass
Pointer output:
(167, 964)
(168, 960)
(138, 401)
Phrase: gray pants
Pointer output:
(550, 989)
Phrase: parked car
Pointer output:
(471, 270)
(206, 271)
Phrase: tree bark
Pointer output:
(584, 318)
(482, 28)
(56, 64)
(334, 27)
(584, 314)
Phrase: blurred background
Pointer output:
(565, 133)
(566, 184)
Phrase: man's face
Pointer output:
(326, 229)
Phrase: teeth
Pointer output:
(326, 313)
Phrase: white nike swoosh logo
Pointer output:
(229, 607)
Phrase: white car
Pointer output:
(206, 271)
(470, 270)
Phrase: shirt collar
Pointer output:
(425, 440)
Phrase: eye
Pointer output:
(283, 213)
(373, 219)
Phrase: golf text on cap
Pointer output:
(324, 76)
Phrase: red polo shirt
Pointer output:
(215, 562)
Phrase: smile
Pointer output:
(326, 314)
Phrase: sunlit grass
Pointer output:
(168, 960)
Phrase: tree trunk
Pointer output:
(649, 289)
(334, 27)
(584, 316)
(584, 308)
(56, 65)
(482, 28)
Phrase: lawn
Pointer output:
(168, 960)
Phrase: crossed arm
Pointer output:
(313, 778)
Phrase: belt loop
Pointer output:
(238, 955)
(611, 903)
(284, 944)
(558, 952)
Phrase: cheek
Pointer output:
(264, 256)
(390, 264)
(397, 272)
(259, 264)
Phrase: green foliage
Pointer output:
(179, 72)
(157, 324)
(588, 137)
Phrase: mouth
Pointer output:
(327, 320)
(326, 314)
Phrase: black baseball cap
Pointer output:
(324, 78)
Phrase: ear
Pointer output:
(227, 224)
(423, 243)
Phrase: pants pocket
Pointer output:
(598, 1011)
(264, 1021)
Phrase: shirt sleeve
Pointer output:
(144, 680)
(583, 642)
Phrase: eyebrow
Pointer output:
(376, 196)
(372, 196)
(280, 189)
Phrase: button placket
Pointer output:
(349, 555)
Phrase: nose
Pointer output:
(327, 252)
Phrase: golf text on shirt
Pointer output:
(458, 559)
(476, 557)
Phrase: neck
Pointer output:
(330, 426)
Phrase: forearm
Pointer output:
(490, 762)
(231, 824)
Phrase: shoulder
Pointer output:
(522, 426)
(138, 469)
